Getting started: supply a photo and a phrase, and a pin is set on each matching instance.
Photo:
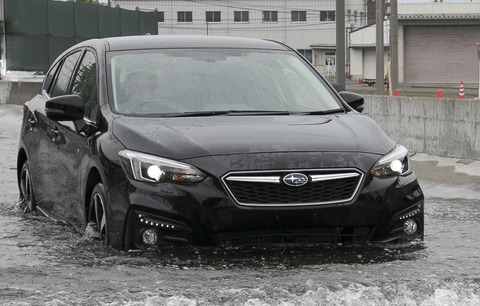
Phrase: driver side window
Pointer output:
(85, 85)
(65, 74)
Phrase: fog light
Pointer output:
(150, 236)
(410, 227)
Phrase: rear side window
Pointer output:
(65, 74)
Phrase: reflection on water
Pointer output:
(287, 258)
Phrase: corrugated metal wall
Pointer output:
(441, 54)
(37, 31)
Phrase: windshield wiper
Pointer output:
(228, 113)
(325, 112)
(249, 113)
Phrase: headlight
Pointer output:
(150, 168)
(396, 162)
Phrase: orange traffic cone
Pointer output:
(461, 91)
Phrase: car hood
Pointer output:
(190, 137)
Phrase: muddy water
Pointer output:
(49, 263)
(43, 262)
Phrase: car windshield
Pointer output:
(183, 82)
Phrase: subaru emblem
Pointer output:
(295, 179)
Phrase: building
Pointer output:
(306, 25)
(436, 43)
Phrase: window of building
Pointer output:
(299, 15)
(349, 15)
(330, 59)
(355, 16)
(307, 53)
(213, 16)
(270, 16)
(184, 16)
(160, 16)
(327, 15)
(240, 16)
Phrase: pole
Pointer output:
(340, 42)
(380, 12)
(478, 52)
(394, 44)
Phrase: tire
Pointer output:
(97, 213)
(27, 195)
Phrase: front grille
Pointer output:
(299, 236)
(271, 188)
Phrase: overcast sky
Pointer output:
(400, 1)
(420, 1)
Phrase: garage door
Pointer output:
(441, 54)
(369, 64)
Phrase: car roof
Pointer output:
(189, 41)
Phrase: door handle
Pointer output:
(32, 124)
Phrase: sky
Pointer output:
(399, 1)
(420, 1)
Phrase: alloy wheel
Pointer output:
(97, 213)
(27, 195)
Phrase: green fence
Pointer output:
(37, 31)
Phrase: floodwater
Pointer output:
(43, 262)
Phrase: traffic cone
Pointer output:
(440, 94)
(461, 91)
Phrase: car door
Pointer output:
(37, 140)
(58, 179)
(72, 145)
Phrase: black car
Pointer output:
(166, 140)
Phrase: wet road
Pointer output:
(47, 263)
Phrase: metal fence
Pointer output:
(37, 31)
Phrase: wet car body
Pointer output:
(215, 177)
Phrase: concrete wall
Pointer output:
(12, 92)
(442, 127)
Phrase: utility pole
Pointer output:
(478, 53)
(379, 48)
(393, 45)
(340, 42)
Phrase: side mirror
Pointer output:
(354, 100)
(65, 108)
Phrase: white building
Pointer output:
(306, 25)
(436, 43)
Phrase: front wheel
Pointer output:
(97, 213)
(27, 195)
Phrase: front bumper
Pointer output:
(206, 214)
